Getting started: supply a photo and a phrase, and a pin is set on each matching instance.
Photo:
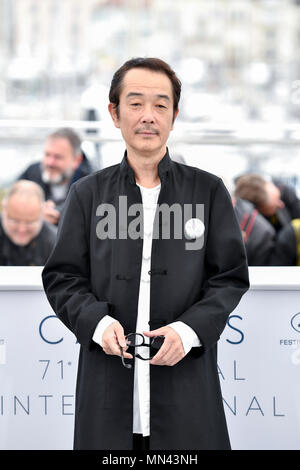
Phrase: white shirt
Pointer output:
(141, 395)
(59, 191)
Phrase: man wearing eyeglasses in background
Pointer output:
(115, 291)
(25, 239)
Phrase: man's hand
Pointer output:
(50, 214)
(113, 339)
(172, 350)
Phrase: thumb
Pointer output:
(49, 203)
(120, 335)
(159, 331)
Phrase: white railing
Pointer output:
(184, 132)
(261, 278)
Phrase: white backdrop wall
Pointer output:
(258, 361)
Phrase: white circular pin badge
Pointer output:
(194, 228)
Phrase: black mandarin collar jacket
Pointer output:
(87, 278)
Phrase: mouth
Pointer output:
(52, 175)
(51, 169)
(146, 133)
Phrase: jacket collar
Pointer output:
(163, 167)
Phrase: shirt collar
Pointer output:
(163, 167)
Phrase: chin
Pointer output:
(147, 147)
(21, 241)
(52, 178)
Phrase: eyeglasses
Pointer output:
(28, 224)
(136, 340)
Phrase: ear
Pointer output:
(78, 159)
(114, 115)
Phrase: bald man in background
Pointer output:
(25, 238)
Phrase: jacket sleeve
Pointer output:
(226, 272)
(66, 275)
(32, 172)
(285, 253)
(24, 175)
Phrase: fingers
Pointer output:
(51, 218)
(113, 340)
(49, 203)
(119, 331)
(172, 350)
(157, 332)
(50, 214)
(168, 355)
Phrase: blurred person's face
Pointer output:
(59, 161)
(22, 219)
(145, 114)
(274, 201)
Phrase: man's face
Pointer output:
(145, 111)
(59, 161)
(274, 201)
(22, 219)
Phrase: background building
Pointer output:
(238, 61)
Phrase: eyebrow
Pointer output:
(134, 94)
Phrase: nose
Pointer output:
(148, 117)
(49, 160)
(22, 227)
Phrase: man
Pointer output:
(258, 234)
(266, 197)
(25, 239)
(62, 164)
(181, 288)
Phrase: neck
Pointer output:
(145, 168)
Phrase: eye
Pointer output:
(135, 105)
(161, 106)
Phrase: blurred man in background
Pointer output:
(62, 164)
(266, 197)
(25, 239)
(258, 234)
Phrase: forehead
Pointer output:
(272, 189)
(18, 204)
(58, 143)
(146, 82)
